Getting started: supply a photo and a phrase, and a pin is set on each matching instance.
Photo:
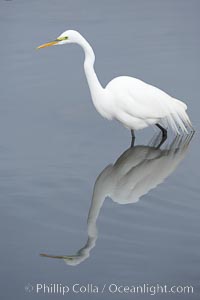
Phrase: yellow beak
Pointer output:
(48, 44)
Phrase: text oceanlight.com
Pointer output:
(112, 288)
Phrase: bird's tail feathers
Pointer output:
(177, 118)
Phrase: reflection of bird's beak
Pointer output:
(48, 44)
(69, 257)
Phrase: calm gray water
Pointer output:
(143, 224)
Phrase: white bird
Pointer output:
(137, 171)
(128, 100)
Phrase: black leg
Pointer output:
(164, 135)
(132, 138)
(164, 131)
(161, 142)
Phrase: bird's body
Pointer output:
(137, 104)
(128, 100)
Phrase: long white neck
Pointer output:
(93, 82)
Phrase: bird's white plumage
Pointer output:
(131, 101)
(138, 105)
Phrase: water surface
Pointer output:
(54, 146)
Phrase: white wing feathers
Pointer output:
(148, 103)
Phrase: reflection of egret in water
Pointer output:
(134, 174)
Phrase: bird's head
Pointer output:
(67, 37)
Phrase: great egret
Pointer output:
(137, 171)
(128, 100)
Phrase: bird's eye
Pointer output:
(62, 38)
